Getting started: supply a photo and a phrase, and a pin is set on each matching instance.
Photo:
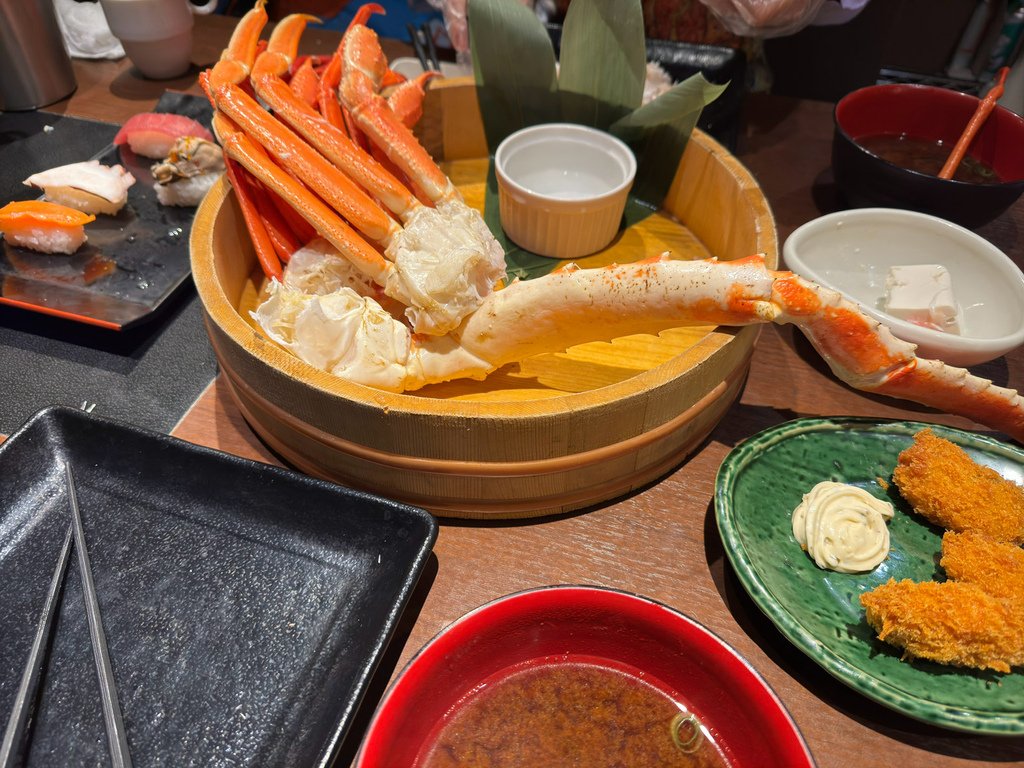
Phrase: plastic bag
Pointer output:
(454, 13)
(86, 31)
(764, 18)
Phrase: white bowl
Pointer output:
(562, 188)
(852, 251)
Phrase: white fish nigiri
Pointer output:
(89, 186)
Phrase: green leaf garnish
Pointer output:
(658, 131)
(598, 90)
(599, 83)
(514, 68)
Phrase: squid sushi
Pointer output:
(90, 186)
(44, 226)
(152, 134)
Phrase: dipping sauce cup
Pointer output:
(562, 188)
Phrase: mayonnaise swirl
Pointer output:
(842, 527)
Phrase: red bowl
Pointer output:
(932, 114)
(745, 718)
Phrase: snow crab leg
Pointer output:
(363, 69)
(440, 262)
(572, 306)
(328, 139)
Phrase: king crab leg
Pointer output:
(573, 306)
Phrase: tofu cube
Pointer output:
(922, 294)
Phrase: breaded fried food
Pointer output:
(945, 486)
(995, 567)
(948, 622)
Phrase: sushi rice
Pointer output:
(186, 192)
(44, 226)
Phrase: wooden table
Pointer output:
(662, 541)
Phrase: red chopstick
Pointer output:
(985, 107)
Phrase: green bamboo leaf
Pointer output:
(681, 100)
(603, 61)
(514, 67)
(658, 131)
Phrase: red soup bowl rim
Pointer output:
(786, 743)
(941, 95)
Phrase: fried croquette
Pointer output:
(946, 487)
(993, 566)
(948, 622)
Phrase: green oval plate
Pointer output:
(759, 484)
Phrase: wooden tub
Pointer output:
(552, 434)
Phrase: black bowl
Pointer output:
(931, 114)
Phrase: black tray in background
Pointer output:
(245, 606)
(133, 262)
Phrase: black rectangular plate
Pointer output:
(145, 244)
(245, 606)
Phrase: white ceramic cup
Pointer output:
(156, 34)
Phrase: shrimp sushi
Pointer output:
(90, 186)
(44, 226)
(152, 134)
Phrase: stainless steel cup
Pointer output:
(35, 69)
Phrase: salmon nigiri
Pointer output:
(43, 226)
(152, 134)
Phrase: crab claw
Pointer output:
(406, 101)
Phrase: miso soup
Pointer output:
(925, 156)
(571, 714)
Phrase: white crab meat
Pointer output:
(324, 314)
(446, 262)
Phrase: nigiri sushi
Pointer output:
(151, 134)
(44, 226)
(189, 170)
(89, 186)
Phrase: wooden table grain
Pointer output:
(660, 541)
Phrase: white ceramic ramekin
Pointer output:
(562, 188)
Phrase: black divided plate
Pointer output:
(132, 263)
(245, 606)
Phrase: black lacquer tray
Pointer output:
(245, 606)
(133, 262)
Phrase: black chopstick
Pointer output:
(116, 738)
(14, 736)
(417, 45)
(435, 62)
